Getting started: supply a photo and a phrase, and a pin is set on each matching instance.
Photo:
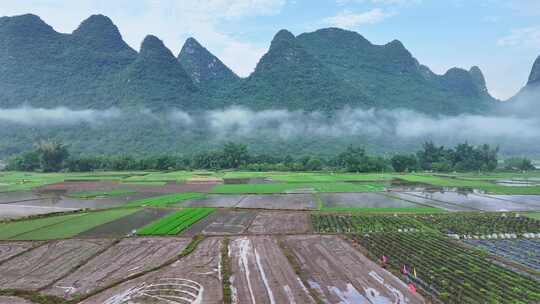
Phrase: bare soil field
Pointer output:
(341, 274)
(13, 300)
(75, 186)
(281, 223)
(478, 202)
(217, 200)
(425, 201)
(10, 249)
(262, 274)
(279, 201)
(173, 187)
(363, 200)
(129, 257)
(44, 265)
(194, 279)
(223, 222)
(8, 211)
(127, 224)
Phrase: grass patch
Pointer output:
(427, 210)
(98, 194)
(534, 215)
(74, 225)
(175, 223)
(289, 187)
(11, 229)
(165, 200)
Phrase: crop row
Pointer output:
(333, 223)
(449, 271)
(481, 224)
(175, 223)
(522, 251)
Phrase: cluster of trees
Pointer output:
(54, 156)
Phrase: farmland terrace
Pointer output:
(268, 237)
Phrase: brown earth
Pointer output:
(279, 201)
(341, 274)
(130, 256)
(223, 222)
(42, 266)
(13, 300)
(194, 279)
(281, 223)
(10, 249)
(215, 201)
(262, 274)
(77, 186)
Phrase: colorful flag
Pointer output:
(412, 288)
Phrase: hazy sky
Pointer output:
(500, 36)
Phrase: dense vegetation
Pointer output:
(175, 223)
(54, 156)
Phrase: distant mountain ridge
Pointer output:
(326, 70)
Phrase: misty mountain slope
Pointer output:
(288, 77)
(391, 77)
(156, 80)
(525, 102)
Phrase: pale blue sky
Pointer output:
(502, 37)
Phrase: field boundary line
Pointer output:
(23, 252)
(185, 252)
(79, 265)
(226, 271)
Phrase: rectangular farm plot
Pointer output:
(262, 274)
(363, 200)
(341, 274)
(42, 266)
(279, 201)
(14, 229)
(194, 279)
(9, 211)
(176, 222)
(75, 225)
(215, 200)
(477, 202)
(130, 256)
(421, 200)
(281, 223)
(127, 224)
(222, 222)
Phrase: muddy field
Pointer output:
(279, 201)
(281, 223)
(44, 265)
(195, 279)
(13, 300)
(262, 274)
(11, 249)
(223, 222)
(363, 200)
(127, 258)
(76, 186)
(126, 225)
(224, 201)
(20, 196)
(478, 202)
(341, 274)
(173, 187)
(427, 202)
(62, 201)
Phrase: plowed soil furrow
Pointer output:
(42, 266)
(341, 274)
(194, 279)
(262, 274)
(127, 258)
(11, 249)
(281, 223)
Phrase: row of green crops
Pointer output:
(58, 227)
(165, 200)
(481, 223)
(333, 223)
(450, 272)
(175, 223)
(296, 187)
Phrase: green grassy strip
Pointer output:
(428, 210)
(95, 194)
(75, 225)
(12, 229)
(175, 223)
(226, 272)
(534, 215)
(288, 187)
(33, 296)
(165, 200)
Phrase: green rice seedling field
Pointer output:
(175, 223)
(166, 200)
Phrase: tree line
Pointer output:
(53, 156)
